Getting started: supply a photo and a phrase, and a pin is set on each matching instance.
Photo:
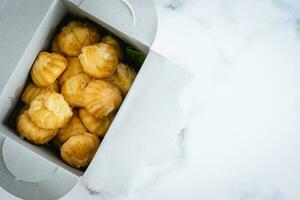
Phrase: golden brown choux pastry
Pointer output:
(94, 125)
(72, 89)
(29, 130)
(74, 68)
(31, 91)
(79, 150)
(50, 111)
(76, 35)
(54, 46)
(123, 78)
(101, 98)
(112, 41)
(99, 60)
(47, 67)
(73, 127)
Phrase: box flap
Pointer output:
(36, 178)
(17, 31)
(145, 131)
(135, 18)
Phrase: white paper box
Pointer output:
(149, 115)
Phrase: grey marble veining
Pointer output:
(242, 140)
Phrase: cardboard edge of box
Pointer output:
(135, 35)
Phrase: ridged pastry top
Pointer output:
(73, 127)
(123, 78)
(29, 130)
(74, 67)
(101, 98)
(112, 41)
(31, 91)
(50, 111)
(72, 89)
(94, 125)
(76, 35)
(99, 60)
(47, 67)
(79, 150)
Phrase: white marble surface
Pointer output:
(242, 141)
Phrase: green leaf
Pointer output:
(137, 58)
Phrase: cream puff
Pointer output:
(50, 111)
(29, 130)
(79, 150)
(47, 67)
(72, 89)
(94, 125)
(123, 78)
(112, 41)
(76, 35)
(74, 67)
(31, 91)
(73, 127)
(99, 60)
(101, 98)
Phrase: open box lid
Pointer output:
(35, 178)
(17, 27)
(135, 18)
